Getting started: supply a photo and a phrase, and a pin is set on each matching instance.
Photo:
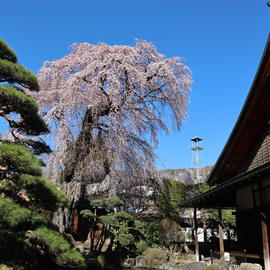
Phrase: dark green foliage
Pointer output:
(195, 190)
(6, 53)
(37, 147)
(22, 171)
(139, 225)
(58, 247)
(228, 219)
(170, 232)
(16, 107)
(15, 73)
(170, 199)
(210, 216)
(120, 227)
(14, 251)
(126, 239)
(26, 198)
(108, 220)
(123, 234)
(112, 203)
(46, 193)
(21, 174)
(129, 236)
(203, 187)
(123, 216)
(17, 217)
(97, 203)
(15, 100)
(18, 160)
(141, 246)
(148, 231)
(87, 214)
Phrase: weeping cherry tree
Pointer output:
(105, 105)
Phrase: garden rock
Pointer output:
(250, 266)
(196, 266)
(126, 263)
(171, 266)
(140, 261)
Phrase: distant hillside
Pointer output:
(182, 175)
(104, 188)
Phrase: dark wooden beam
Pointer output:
(221, 234)
(196, 242)
(265, 242)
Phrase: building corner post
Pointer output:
(221, 234)
(265, 241)
(196, 242)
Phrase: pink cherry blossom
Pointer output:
(105, 105)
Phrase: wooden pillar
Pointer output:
(221, 235)
(196, 242)
(75, 223)
(265, 242)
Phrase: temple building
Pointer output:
(241, 175)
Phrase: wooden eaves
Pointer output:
(223, 196)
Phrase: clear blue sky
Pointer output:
(222, 41)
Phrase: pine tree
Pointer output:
(27, 200)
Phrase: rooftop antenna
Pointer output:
(198, 171)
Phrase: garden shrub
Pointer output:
(214, 267)
(141, 246)
(108, 220)
(123, 216)
(125, 239)
(112, 203)
(87, 214)
(27, 200)
(5, 267)
(58, 246)
(170, 232)
(155, 257)
(15, 216)
(97, 203)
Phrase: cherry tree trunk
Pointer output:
(74, 175)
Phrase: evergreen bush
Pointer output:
(113, 203)
(58, 247)
(27, 236)
(155, 257)
(86, 213)
(123, 216)
(141, 246)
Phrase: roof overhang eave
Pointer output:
(212, 198)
